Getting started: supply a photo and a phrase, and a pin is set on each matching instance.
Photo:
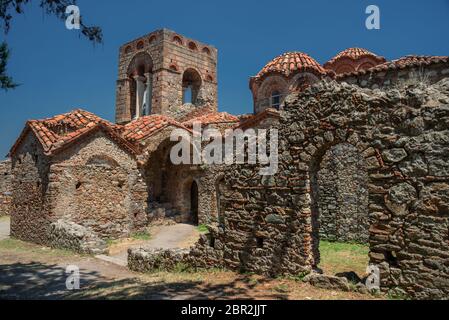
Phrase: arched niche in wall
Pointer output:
(102, 160)
(365, 66)
(302, 81)
(344, 68)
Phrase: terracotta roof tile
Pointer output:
(212, 118)
(145, 127)
(292, 62)
(354, 54)
(401, 63)
(60, 131)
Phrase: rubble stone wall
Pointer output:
(271, 223)
(5, 188)
(400, 78)
(68, 235)
(30, 216)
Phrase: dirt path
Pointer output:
(4, 227)
(173, 236)
(29, 271)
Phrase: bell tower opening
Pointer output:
(162, 71)
(191, 85)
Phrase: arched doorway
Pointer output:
(194, 202)
(340, 217)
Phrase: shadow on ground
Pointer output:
(39, 281)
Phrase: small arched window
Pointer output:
(275, 99)
(128, 49)
(139, 45)
(152, 39)
(177, 40)
(191, 84)
(192, 46)
(206, 50)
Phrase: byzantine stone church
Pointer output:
(112, 179)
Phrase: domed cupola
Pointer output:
(287, 73)
(352, 60)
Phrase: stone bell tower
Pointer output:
(162, 71)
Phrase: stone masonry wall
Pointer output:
(342, 189)
(5, 188)
(98, 186)
(270, 224)
(30, 217)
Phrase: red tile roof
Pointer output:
(145, 127)
(292, 62)
(212, 118)
(354, 54)
(249, 122)
(197, 112)
(57, 132)
(401, 63)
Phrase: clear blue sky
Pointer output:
(60, 71)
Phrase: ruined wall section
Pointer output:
(270, 223)
(399, 78)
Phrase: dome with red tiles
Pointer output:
(355, 54)
(292, 62)
(353, 59)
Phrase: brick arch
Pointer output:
(302, 81)
(141, 63)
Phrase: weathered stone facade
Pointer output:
(5, 188)
(94, 184)
(355, 164)
(271, 224)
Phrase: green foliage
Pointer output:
(203, 228)
(141, 235)
(6, 81)
(50, 7)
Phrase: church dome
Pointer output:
(353, 59)
(292, 62)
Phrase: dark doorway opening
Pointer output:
(194, 202)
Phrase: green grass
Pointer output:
(141, 236)
(203, 228)
(339, 257)
(25, 247)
